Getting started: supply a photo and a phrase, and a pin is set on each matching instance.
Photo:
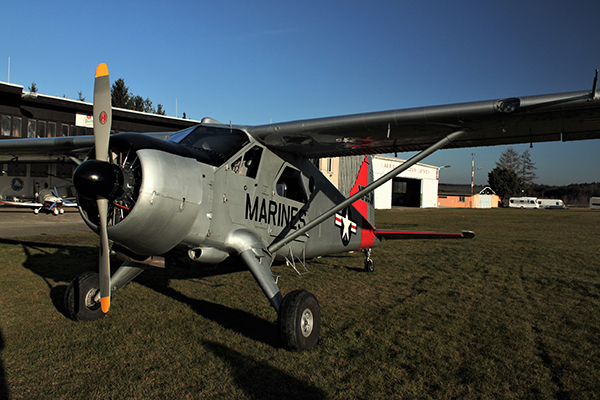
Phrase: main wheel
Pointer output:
(79, 298)
(369, 266)
(299, 320)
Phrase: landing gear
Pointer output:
(369, 266)
(299, 320)
(80, 298)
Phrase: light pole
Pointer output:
(437, 171)
(473, 171)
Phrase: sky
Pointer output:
(258, 62)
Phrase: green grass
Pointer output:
(513, 313)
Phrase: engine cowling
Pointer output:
(163, 203)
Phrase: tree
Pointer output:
(520, 164)
(510, 159)
(505, 182)
(33, 88)
(121, 97)
(80, 98)
(527, 168)
(120, 94)
(160, 110)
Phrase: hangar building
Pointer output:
(32, 115)
(417, 187)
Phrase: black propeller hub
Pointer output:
(94, 178)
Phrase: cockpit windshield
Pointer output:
(221, 143)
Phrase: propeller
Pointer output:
(58, 199)
(102, 124)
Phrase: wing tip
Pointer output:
(468, 234)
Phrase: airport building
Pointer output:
(32, 115)
(416, 187)
(465, 196)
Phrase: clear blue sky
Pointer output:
(262, 61)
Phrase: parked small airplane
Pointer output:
(46, 200)
(214, 191)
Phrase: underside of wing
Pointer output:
(556, 117)
(46, 149)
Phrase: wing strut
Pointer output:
(374, 185)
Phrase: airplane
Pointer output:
(46, 200)
(214, 191)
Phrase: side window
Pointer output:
(289, 185)
(248, 164)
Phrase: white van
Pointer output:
(550, 203)
(523, 202)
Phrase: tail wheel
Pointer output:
(299, 320)
(80, 297)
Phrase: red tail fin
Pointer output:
(365, 205)
(362, 180)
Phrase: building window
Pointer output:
(461, 199)
(16, 169)
(41, 129)
(39, 170)
(64, 130)
(31, 128)
(64, 171)
(16, 128)
(330, 164)
(51, 129)
(72, 130)
(5, 125)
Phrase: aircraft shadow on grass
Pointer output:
(250, 376)
(61, 263)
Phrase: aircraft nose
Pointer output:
(94, 178)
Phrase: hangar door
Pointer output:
(406, 192)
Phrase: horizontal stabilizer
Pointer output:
(387, 234)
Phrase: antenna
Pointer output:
(9, 70)
(594, 86)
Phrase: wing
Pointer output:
(44, 148)
(49, 149)
(554, 117)
(20, 204)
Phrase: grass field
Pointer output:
(513, 313)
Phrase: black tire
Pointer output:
(369, 266)
(79, 298)
(299, 320)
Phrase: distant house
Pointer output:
(460, 196)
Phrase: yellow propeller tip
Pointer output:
(105, 304)
(101, 70)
